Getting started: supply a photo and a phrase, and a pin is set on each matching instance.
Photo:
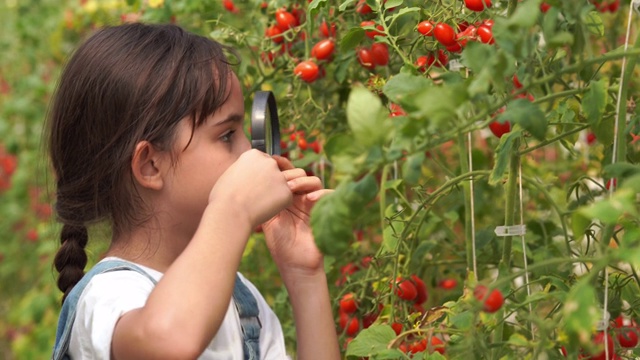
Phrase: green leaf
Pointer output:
(404, 85)
(580, 311)
(579, 223)
(593, 22)
(502, 155)
(393, 3)
(371, 341)
(623, 202)
(527, 115)
(438, 103)
(333, 217)
(316, 4)
(346, 4)
(412, 168)
(351, 39)
(365, 117)
(594, 102)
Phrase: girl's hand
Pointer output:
(288, 234)
(255, 185)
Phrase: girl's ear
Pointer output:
(146, 166)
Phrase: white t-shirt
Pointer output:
(109, 295)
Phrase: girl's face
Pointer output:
(215, 145)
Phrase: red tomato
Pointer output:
(628, 338)
(516, 82)
(491, 302)
(405, 289)
(422, 63)
(498, 129)
(455, 48)
(380, 54)
(443, 59)
(372, 33)
(285, 20)
(397, 328)
(230, 6)
(437, 345)
(323, 49)
(544, 7)
(445, 34)
(274, 33)
(307, 70)
(348, 303)
(315, 146)
(614, 6)
(477, 5)
(302, 143)
(598, 340)
(425, 28)
(328, 30)
(469, 33)
(485, 34)
(351, 325)
(422, 295)
(363, 8)
(591, 138)
(366, 59)
(418, 346)
(396, 110)
(448, 284)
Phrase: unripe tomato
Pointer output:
(366, 59)
(405, 289)
(425, 28)
(348, 303)
(323, 49)
(274, 33)
(285, 20)
(485, 34)
(477, 5)
(380, 54)
(492, 301)
(307, 70)
(445, 34)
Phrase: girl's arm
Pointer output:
(186, 308)
(300, 263)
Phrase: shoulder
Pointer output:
(106, 297)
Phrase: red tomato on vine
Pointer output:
(491, 302)
(425, 28)
(498, 129)
(323, 49)
(307, 71)
(285, 20)
(380, 54)
(348, 303)
(445, 34)
(328, 30)
(365, 58)
(485, 34)
(405, 289)
(372, 33)
(477, 5)
(421, 288)
(274, 33)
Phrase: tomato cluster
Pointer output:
(604, 6)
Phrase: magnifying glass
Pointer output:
(265, 125)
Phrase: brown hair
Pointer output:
(125, 84)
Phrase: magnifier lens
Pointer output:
(265, 126)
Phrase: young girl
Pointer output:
(146, 132)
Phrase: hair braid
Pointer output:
(71, 258)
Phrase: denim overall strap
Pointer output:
(247, 307)
(68, 312)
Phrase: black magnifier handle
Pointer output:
(265, 125)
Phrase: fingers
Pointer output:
(283, 163)
(294, 173)
(304, 184)
(316, 195)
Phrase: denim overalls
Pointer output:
(243, 298)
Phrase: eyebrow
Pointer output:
(233, 118)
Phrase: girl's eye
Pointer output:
(227, 136)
